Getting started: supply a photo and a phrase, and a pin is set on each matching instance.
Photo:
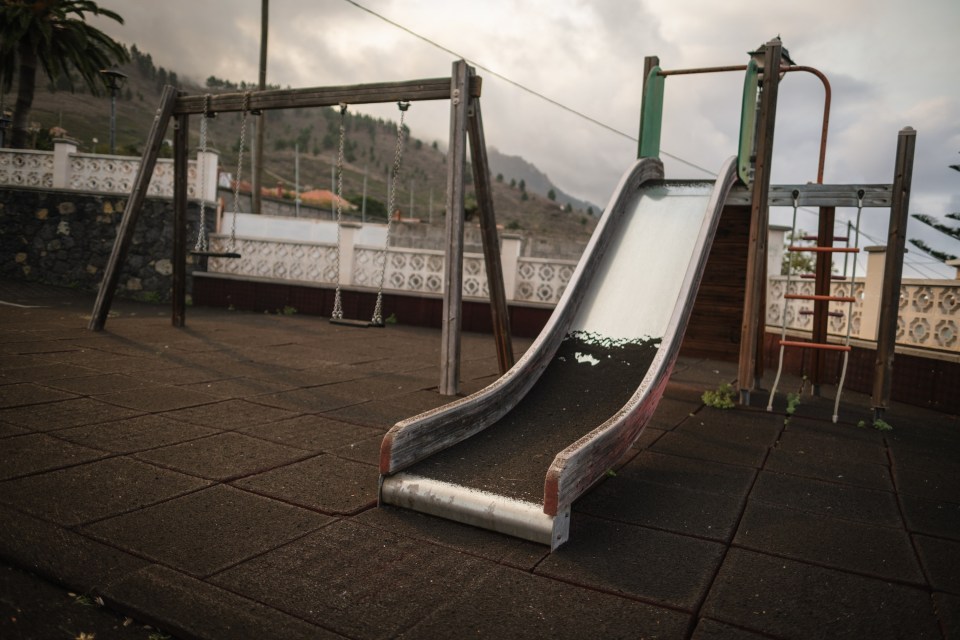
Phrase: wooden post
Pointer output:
(893, 270)
(111, 274)
(181, 140)
(821, 287)
(261, 120)
(759, 219)
(649, 63)
(488, 235)
(453, 266)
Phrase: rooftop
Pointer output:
(220, 481)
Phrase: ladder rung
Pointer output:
(798, 249)
(815, 345)
(813, 276)
(810, 312)
(800, 296)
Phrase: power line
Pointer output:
(523, 87)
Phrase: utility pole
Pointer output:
(261, 120)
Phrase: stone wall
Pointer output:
(65, 238)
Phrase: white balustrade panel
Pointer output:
(116, 174)
(929, 314)
(542, 280)
(26, 168)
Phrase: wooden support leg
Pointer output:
(131, 212)
(180, 144)
(491, 243)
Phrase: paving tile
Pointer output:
(359, 581)
(324, 483)
(156, 399)
(182, 375)
(62, 555)
(512, 604)
(223, 456)
(834, 468)
(191, 608)
(208, 530)
(948, 610)
(654, 566)
(68, 413)
(90, 385)
(671, 412)
(741, 427)
(134, 434)
(366, 451)
(242, 387)
(37, 452)
(713, 447)
(789, 599)
(691, 474)
(648, 436)
(312, 433)
(31, 607)
(8, 430)
(384, 414)
(499, 548)
(941, 561)
(45, 373)
(804, 439)
(933, 517)
(96, 490)
(316, 399)
(28, 393)
(626, 498)
(844, 544)
(927, 477)
(230, 414)
(708, 629)
(829, 499)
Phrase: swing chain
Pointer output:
(236, 185)
(202, 241)
(337, 304)
(391, 205)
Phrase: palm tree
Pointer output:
(52, 34)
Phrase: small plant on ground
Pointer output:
(287, 310)
(793, 401)
(721, 398)
(882, 425)
(391, 319)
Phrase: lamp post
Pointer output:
(114, 79)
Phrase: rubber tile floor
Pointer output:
(220, 481)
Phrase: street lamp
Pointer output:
(114, 79)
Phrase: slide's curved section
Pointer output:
(513, 457)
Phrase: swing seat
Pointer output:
(347, 322)
(215, 254)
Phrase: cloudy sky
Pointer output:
(890, 64)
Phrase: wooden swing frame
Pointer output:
(462, 89)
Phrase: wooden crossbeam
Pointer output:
(411, 90)
(819, 195)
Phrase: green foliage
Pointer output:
(551, 195)
(514, 225)
(721, 398)
(793, 401)
(55, 37)
(882, 425)
(942, 228)
(391, 319)
(939, 255)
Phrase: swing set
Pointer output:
(462, 89)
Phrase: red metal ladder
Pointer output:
(819, 298)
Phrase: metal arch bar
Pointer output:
(410, 90)
(742, 67)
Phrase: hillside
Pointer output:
(369, 149)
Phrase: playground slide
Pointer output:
(514, 456)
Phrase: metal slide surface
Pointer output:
(514, 456)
